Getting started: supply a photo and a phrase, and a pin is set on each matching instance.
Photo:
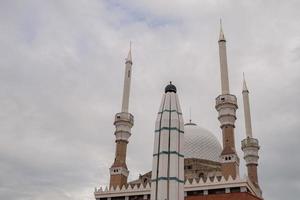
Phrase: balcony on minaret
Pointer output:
(250, 142)
(123, 122)
(226, 98)
(226, 105)
(250, 147)
(124, 117)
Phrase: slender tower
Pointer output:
(123, 122)
(168, 160)
(226, 105)
(250, 145)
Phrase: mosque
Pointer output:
(188, 162)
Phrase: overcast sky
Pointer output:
(61, 81)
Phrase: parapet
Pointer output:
(200, 185)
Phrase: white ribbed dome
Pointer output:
(200, 143)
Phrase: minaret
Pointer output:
(123, 122)
(168, 160)
(226, 105)
(250, 145)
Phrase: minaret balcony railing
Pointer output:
(250, 142)
(124, 117)
(225, 99)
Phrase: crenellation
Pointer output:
(190, 185)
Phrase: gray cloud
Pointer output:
(61, 76)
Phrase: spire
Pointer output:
(223, 63)
(129, 58)
(247, 114)
(127, 80)
(245, 89)
(221, 37)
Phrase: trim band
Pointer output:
(167, 110)
(168, 152)
(169, 128)
(168, 178)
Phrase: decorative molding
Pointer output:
(167, 110)
(169, 152)
(169, 128)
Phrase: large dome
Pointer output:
(200, 143)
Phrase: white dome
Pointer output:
(200, 143)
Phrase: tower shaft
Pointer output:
(223, 66)
(250, 147)
(123, 123)
(168, 160)
(252, 173)
(127, 81)
(226, 105)
(247, 114)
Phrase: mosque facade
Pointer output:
(188, 162)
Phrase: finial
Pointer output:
(170, 88)
(245, 89)
(221, 37)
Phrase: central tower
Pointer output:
(226, 105)
(168, 160)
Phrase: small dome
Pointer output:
(170, 88)
(201, 143)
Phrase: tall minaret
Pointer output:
(226, 105)
(123, 122)
(250, 145)
(168, 160)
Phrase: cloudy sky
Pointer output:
(61, 77)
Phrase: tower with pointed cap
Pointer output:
(226, 105)
(250, 145)
(168, 160)
(123, 122)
